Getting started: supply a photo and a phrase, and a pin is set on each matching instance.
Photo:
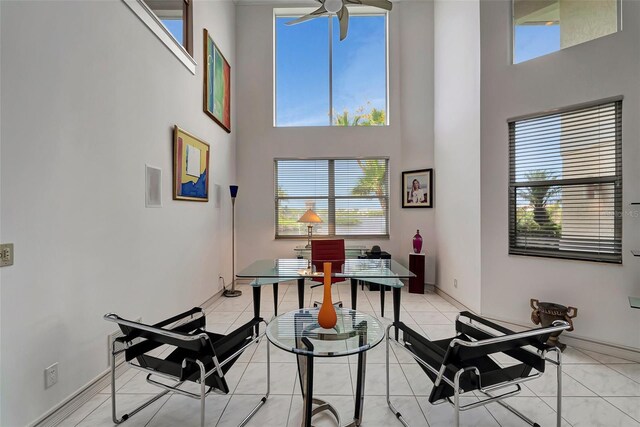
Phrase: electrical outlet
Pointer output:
(51, 375)
(455, 283)
(6, 254)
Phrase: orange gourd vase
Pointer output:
(327, 317)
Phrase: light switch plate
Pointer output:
(6, 254)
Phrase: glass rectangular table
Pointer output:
(385, 272)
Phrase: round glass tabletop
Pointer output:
(298, 332)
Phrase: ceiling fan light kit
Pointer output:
(339, 8)
(333, 6)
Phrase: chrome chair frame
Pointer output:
(557, 326)
(175, 387)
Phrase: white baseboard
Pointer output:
(451, 300)
(577, 341)
(61, 411)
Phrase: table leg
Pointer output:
(275, 299)
(354, 293)
(256, 305)
(396, 308)
(362, 369)
(301, 293)
(307, 411)
(382, 292)
(305, 372)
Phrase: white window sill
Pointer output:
(149, 18)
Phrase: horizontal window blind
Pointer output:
(351, 196)
(565, 184)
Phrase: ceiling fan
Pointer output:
(339, 7)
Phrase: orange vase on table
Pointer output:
(327, 317)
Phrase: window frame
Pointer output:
(151, 20)
(296, 12)
(331, 200)
(616, 180)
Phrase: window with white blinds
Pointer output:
(351, 196)
(565, 186)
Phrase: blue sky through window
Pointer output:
(302, 69)
(175, 28)
(532, 41)
(359, 65)
(302, 73)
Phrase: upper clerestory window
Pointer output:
(172, 23)
(320, 80)
(541, 27)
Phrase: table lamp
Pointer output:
(310, 218)
(233, 292)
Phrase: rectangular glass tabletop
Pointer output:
(286, 268)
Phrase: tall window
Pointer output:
(351, 196)
(565, 184)
(177, 17)
(322, 81)
(541, 27)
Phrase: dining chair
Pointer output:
(328, 251)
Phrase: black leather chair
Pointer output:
(193, 354)
(463, 363)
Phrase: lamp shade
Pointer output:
(310, 217)
(233, 189)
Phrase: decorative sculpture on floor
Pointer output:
(546, 313)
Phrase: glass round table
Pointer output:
(298, 332)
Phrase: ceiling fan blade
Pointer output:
(343, 17)
(315, 14)
(382, 4)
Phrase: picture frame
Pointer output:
(417, 188)
(190, 167)
(217, 84)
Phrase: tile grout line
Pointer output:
(170, 395)
(108, 397)
(597, 395)
(629, 415)
(622, 373)
(223, 410)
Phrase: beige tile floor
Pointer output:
(599, 390)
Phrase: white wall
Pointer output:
(89, 95)
(407, 141)
(605, 67)
(457, 148)
(1, 236)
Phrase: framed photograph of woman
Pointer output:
(417, 189)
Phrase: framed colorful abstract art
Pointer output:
(190, 167)
(217, 84)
